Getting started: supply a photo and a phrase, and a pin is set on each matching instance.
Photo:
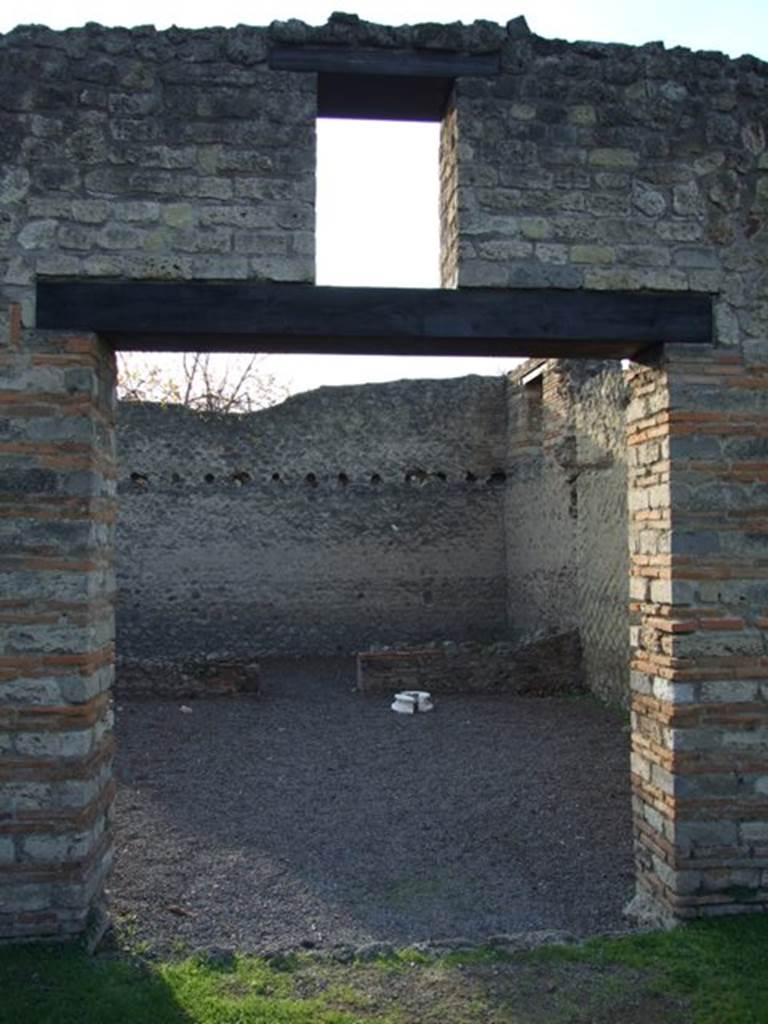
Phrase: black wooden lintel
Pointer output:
(340, 60)
(237, 317)
(389, 85)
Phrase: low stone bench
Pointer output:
(541, 667)
(194, 677)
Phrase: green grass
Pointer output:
(720, 965)
(713, 972)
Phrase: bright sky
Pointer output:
(360, 239)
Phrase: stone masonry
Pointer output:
(181, 155)
(697, 438)
(171, 155)
(408, 510)
(340, 518)
(569, 568)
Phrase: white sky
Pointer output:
(360, 239)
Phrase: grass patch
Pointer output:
(713, 972)
(721, 965)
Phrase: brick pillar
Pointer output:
(698, 466)
(57, 509)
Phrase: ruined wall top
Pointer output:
(341, 29)
(247, 44)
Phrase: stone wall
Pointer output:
(241, 539)
(541, 568)
(341, 518)
(698, 440)
(605, 166)
(602, 528)
(566, 512)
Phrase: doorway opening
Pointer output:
(306, 813)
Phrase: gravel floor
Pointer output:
(313, 815)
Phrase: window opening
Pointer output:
(378, 196)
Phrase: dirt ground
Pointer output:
(311, 815)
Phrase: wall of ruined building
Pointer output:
(542, 668)
(341, 518)
(180, 155)
(540, 509)
(566, 512)
(605, 166)
(57, 515)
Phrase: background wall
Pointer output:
(341, 518)
(470, 509)
(602, 526)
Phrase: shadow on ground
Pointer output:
(61, 984)
(313, 815)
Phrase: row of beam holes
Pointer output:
(498, 476)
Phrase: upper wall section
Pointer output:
(183, 155)
(160, 155)
(614, 167)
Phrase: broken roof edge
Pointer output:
(341, 29)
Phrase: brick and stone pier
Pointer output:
(57, 512)
(698, 441)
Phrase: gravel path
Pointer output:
(313, 815)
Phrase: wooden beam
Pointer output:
(403, 321)
(388, 85)
(340, 60)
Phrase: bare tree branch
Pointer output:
(202, 382)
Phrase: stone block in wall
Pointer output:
(544, 666)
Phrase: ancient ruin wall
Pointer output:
(342, 518)
(581, 166)
(540, 507)
(566, 512)
(379, 514)
(605, 166)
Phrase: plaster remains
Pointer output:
(572, 174)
